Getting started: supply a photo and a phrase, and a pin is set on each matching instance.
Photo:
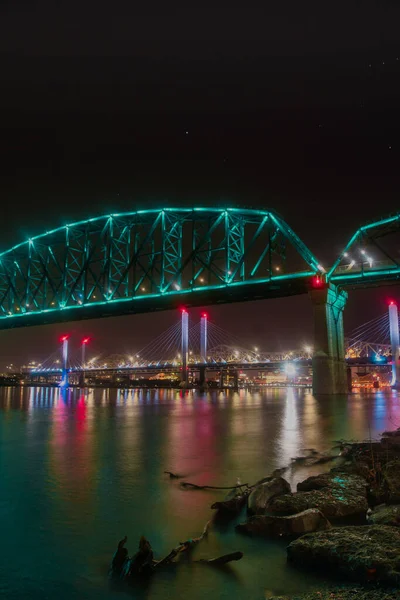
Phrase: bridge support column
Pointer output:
(329, 366)
(202, 376)
(185, 348)
(203, 338)
(394, 340)
(221, 379)
(236, 379)
(64, 372)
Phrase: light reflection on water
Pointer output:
(78, 471)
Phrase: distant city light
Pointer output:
(290, 370)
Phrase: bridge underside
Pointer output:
(367, 280)
(161, 302)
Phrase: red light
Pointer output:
(317, 282)
(392, 302)
(85, 340)
(205, 315)
(183, 310)
(63, 338)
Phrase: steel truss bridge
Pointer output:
(151, 260)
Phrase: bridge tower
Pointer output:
(203, 348)
(329, 366)
(82, 375)
(394, 340)
(64, 372)
(203, 338)
(185, 347)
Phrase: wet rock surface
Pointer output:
(273, 526)
(391, 476)
(343, 593)
(336, 495)
(385, 515)
(261, 496)
(363, 554)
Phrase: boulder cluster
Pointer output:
(345, 522)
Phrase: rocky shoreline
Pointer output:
(344, 523)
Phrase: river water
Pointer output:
(78, 472)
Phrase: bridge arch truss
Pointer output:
(151, 260)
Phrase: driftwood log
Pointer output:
(142, 564)
(187, 484)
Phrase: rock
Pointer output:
(363, 554)
(261, 496)
(385, 515)
(343, 593)
(333, 479)
(304, 522)
(313, 458)
(233, 503)
(393, 435)
(336, 495)
(391, 475)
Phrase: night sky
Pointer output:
(292, 106)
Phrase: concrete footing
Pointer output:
(329, 375)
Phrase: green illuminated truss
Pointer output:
(371, 256)
(144, 255)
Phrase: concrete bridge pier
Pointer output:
(236, 379)
(221, 379)
(394, 341)
(202, 376)
(329, 366)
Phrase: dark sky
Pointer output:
(288, 105)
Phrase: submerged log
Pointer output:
(182, 547)
(173, 475)
(187, 484)
(143, 564)
(222, 560)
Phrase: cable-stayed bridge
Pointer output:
(186, 348)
